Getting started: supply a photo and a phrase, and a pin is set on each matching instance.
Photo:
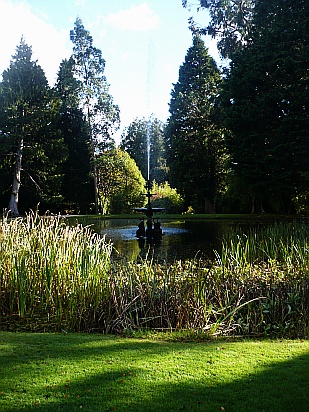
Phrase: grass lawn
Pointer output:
(74, 372)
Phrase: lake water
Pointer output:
(182, 239)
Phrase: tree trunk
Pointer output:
(209, 207)
(13, 204)
(252, 205)
(95, 175)
(257, 208)
(96, 193)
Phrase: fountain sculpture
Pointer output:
(152, 232)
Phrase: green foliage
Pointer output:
(267, 104)
(77, 184)
(102, 115)
(167, 197)
(93, 90)
(51, 270)
(196, 151)
(142, 137)
(121, 185)
(230, 23)
(31, 145)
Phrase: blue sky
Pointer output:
(143, 42)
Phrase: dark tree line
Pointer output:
(261, 104)
(266, 101)
(236, 140)
(50, 137)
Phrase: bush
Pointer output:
(166, 197)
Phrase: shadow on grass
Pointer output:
(282, 387)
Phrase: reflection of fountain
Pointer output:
(153, 231)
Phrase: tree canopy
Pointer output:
(232, 137)
(77, 184)
(230, 23)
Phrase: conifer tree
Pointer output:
(196, 156)
(102, 115)
(77, 187)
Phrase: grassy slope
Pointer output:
(73, 372)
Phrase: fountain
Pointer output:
(153, 231)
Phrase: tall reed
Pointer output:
(50, 270)
(56, 277)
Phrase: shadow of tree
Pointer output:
(282, 387)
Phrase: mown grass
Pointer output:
(54, 278)
(73, 372)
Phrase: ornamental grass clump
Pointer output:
(50, 271)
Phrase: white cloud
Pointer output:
(49, 46)
(136, 18)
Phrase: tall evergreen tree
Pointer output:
(102, 115)
(77, 187)
(196, 155)
(267, 105)
(144, 141)
(30, 144)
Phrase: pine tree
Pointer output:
(195, 145)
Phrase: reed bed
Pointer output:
(55, 277)
(50, 274)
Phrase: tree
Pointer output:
(266, 96)
(196, 155)
(102, 115)
(77, 187)
(120, 182)
(230, 22)
(144, 141)
(31, 146)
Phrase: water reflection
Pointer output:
(182, 239)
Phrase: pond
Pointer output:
(182, 239)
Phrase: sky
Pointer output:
(143, 42)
